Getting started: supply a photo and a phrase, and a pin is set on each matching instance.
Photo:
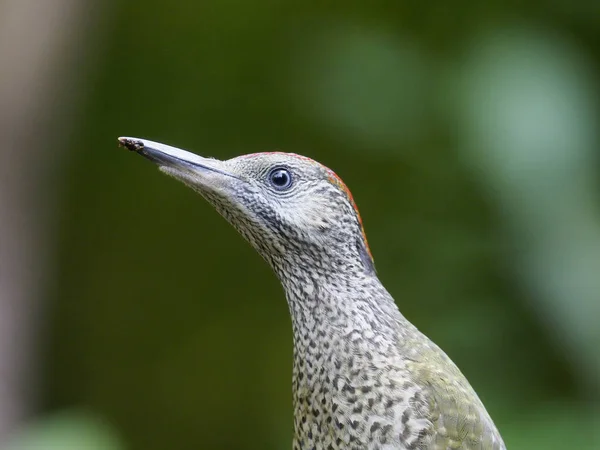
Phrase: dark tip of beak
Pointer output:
(131, 144)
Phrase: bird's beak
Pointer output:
(204, 175)
(173, 160)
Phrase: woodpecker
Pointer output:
(364, 377)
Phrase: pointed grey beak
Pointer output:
(169, 157)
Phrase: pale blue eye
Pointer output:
(280, 178)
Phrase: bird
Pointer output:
(363, 376)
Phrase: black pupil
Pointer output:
(280, 178)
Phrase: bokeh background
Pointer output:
(133, 317)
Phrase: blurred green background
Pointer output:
(469, 135)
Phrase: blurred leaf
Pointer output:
(73, 430)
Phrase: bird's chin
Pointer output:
(177, 173)
(205, 183)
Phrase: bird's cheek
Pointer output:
(311, 219)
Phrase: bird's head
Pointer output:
(297, 213)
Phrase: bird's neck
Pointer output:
(343, 328)
(350, 301)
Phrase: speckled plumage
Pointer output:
(363, 377)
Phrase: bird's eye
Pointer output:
(280, 178)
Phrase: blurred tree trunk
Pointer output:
(38, 41)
